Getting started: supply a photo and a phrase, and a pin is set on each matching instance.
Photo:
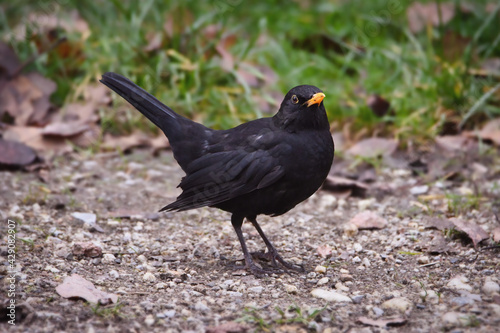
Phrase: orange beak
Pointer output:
(316, 99)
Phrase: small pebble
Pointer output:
(149, 277)
(357, 299)
(114, 274)
(323, 281)
(256, 290)
(357, 247)
(490, 287)
(291, 289)
(150, 320)
(320, 269)
(331, 296)
(108, 258)
(459, 282)
(377, 311)
(400, 304)
(422, 260)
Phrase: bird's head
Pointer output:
(302, 108)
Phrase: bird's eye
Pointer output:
(295, 99)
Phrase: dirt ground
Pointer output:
(173, 272)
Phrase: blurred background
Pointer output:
(409, 70)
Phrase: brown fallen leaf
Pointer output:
(420, 15)
(15, 154)
(9, 62)
(64, 130)
(451, 143)
(439, 223)
(496, 234)
(125, 143)
(475, 232)
(378, 105)
(229, 327)
(373, 147)
(155, 40)
(324, 251)
(77, 286)
(86, 249)
(454, 45)
(32, 136)
(491, 131)
(344, 187)
(383, 323)
(368, 220)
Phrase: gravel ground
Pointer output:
(175, 272)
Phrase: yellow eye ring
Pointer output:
(295, 99)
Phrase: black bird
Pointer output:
(265, 166)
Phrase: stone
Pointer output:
(459, 282)
(454, 319)
(149, 277)
(377, 311)
(291, 289)
(108, 258)
(323, 281)
(401, 304)
(422, 260)
(330, 295)
(320, 269)
(150, 320)
(256, 290)
(490, 287)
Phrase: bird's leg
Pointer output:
(273, 254)
(237, 221)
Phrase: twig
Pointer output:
(430, 264)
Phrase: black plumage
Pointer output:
(265, 166)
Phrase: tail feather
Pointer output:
(186, 137)
(160, 114)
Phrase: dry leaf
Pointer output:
(64, 130)
(154, 41)
(454, 45)
(496, 234)
(15, 154)
(324, 251)
(475, 232)
(229, 327)
(344, 187)
(368, 220)
(32, 136)
(491, 131)
(373, 147)
(9, 62)
(125, 143)
(438, 223)
(420, 15)
(378, 105)
(383, 323)
(451, 143)
(77, 286)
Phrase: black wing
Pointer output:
(220, 176)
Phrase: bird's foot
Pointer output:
(274, 258)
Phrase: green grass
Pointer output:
(350, 49)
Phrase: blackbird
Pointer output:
(265, 166)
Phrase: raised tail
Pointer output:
(143, 101)
(185, 136)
